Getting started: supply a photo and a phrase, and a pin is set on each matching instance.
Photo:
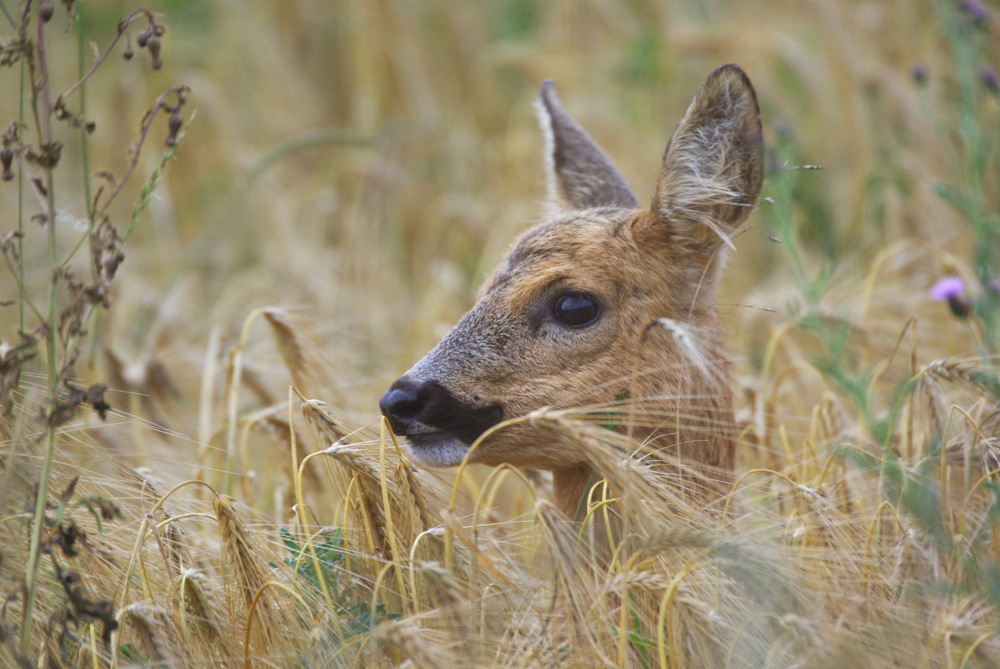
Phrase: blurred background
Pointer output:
(349, 173)
(362, 165)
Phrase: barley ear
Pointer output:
(580, 175)
(713, 166)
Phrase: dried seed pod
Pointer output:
(175, 122)
(6, 158)
(128, 53)
(142, 38)
(45, 10)
(153, 44)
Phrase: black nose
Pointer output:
(436, 411)
(401, 404)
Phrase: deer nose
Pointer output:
(401, 404)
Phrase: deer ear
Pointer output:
(580, 174)
(713, 168)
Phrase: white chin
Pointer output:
(436, 450)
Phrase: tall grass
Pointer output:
(353, 171)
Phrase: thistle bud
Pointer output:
(45, 10)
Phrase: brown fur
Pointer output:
(656, 265)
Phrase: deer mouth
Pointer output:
(439, 425)
(436, 449)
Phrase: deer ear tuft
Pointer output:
(580, 174)
(712, 169)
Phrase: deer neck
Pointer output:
(570, 487)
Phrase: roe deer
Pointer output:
(562, 319)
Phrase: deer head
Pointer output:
(561, 320)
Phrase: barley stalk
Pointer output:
(154, 631)
(241, 557)
(968, 372)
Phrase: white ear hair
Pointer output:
(713, 168)
(580, 174)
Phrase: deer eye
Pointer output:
(575, 309)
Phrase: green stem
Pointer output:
(84, 136)
(20, 210)
(34, 557)
(87, 189)
(43, 125)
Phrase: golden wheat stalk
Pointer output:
(241, 557)
(197, 611)
(412, 644)
(293, 351)
(969, 372)
(155, 633)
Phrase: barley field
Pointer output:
(227, 227)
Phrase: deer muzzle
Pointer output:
(428, 414)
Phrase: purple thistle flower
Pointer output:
(948, 288)
(975, 10)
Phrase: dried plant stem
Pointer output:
(7, 14)
(205, 401)
(393, 546)
(666, 633)
(234, 374)
(147, 123)
(489, 488)
(133, 16)
(300, 499)
(448, 535)
(141, 535)
(253, 609)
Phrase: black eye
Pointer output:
(575, 309)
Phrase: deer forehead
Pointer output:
(587, 251)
